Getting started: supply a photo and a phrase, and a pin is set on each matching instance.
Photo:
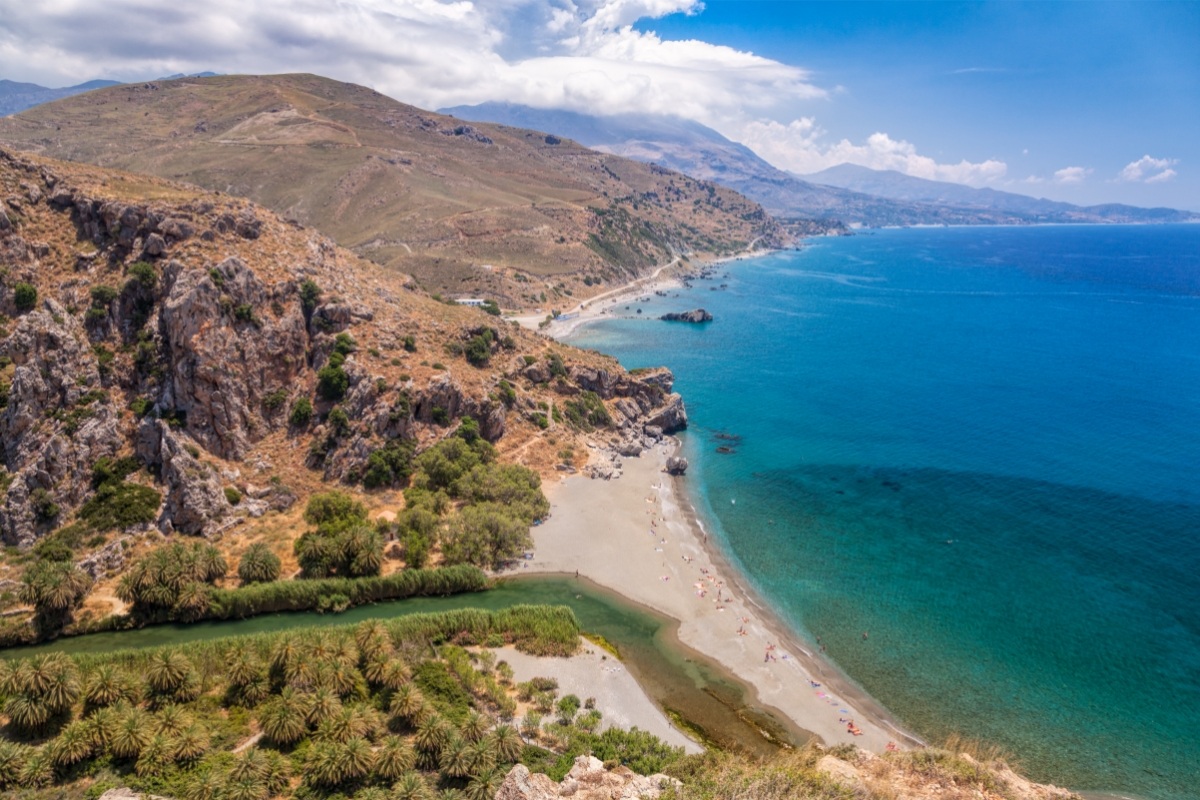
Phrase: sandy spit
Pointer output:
(594, 673)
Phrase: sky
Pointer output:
(1086, 102)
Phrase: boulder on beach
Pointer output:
(677, 465)
(695, 315)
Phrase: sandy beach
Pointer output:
(636, 536)
(594, 673)
(605, 304)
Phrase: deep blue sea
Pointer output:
(982, 446)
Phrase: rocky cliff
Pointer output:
(220, 348)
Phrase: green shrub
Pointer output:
(144, 274)
(302, 411)
(491, 307)
(339, 422)
(102, 295)
(245, 313)
(332, 383)
(586, 412)
(310, 295)
(119, 504)
(140, 406)
(25, 296)
(232, 495)
(557, 368)
(486, 535)
(274, 401)
(410, 344)
(109, 470)
(43, 505)
(389, 465)
(478, 350)
(440, 416)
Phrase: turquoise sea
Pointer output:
(981, 446)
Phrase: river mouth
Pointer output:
(700, 697)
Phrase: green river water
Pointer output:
(693, 690)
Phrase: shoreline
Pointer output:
(611, 532)
(662, 278)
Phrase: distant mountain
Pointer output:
(704, 153)
(16, 97)
(898, 186)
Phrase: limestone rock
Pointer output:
(221, 368)
(677, 465)
(155, 245)
(587, 780)
(696, 315)
(125, 793)
(671, 417)
(195, 503)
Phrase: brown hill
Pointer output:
(148, 320)
(478, 209)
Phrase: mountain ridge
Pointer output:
(16, 97)
(704, 153)
(526, 219)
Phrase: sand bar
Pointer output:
(637, 536)
(594, 673)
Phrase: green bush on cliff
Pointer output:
(586, 412)
(25, 296)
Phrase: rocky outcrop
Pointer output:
(195, 502)
(677, 465)
(229, 341)
(587, 780)
(57, 421)
(696, 315)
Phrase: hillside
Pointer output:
(523, 218)
(236, 363)
(16, 97)
(906, 188)
(852, 194)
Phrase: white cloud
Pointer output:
(800, 147)
(1148, 169)
(583, 54)
(1072, 174)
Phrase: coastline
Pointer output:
(638, 536)
(663, 277)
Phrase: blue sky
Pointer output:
(1038, 86)
(1079, 101)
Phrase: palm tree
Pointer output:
(287, 649)
(192, 743)
(12, 762)
(343, 651)
(432, 734)
(322, 705)
(62, 687)
(103, 724)
(6, 678)
(357, 759)
(508, 743)
(54, 589)
(72, 745)
(38, 769)
(481, 756)
(210, 564)
(192, 601)
(284, 720)
(26, 712)
(205, 786)
(106, 684)
(171, 720)
(248, 788)
(322, 767)
(167, 671)
(395, 673)
(277, 770)
(156, 756)
(411, 786)
(372, 638)
(453, 759)
(258, 565)
(484, 785)
(395, 757)
(474, 726)
(340, 727)
(130, 735)
(406, 702)
(341, 678)
(373, 669)
(250, 764)
(242, 666)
